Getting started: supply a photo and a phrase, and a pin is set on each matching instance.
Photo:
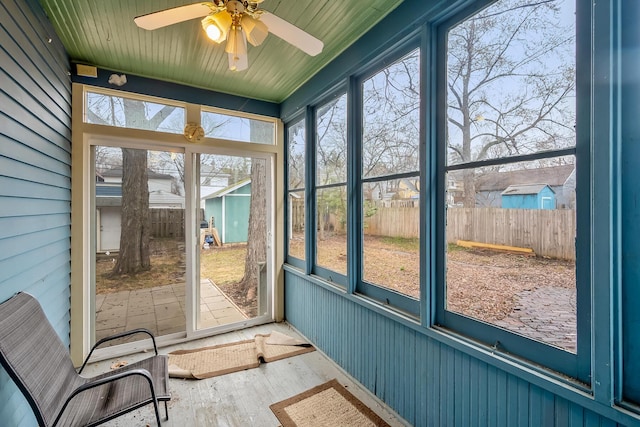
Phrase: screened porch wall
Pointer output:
(35, 177)
(427, 382)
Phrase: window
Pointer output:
(471, 214)
(120, 111)
(331, 189)
(227, 126)
(390, 181)
(296, 147)
(508, 272)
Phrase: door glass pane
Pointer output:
(139, 241)
(233, 240)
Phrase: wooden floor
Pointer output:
(243, 398)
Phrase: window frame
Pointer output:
(386, 296)
(332, 276)
(509, 344)
(428, 313)
(293, 260)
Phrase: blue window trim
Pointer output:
(312, 266)
(576, 365)
(623, 106)
(300, 263)
(387, 297)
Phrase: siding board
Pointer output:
(38, 264)
(35, 175)
(26, 21)
(33, 117)
(21, 78)
(19, 188)
(28, 207)
(20, 225)
(18, 135)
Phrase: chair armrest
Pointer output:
(117, 375)
(120, 335)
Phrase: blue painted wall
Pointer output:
(178, 92)
(35, 175)
(545, 199)
(425, 379)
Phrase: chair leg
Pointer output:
(166, 411)
(155, 407)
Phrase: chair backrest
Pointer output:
(35, 357)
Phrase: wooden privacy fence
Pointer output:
(394, 221)
(167, 222)
(548, 232)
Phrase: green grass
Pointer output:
(223, 265)
(409, 244)
(452, 247)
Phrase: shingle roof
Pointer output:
(553, 176)
(513, 190)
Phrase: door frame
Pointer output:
(84, 137)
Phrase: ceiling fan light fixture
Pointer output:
(235, 21)
(238, 62)
(255, 30)
(217, 25)
(236, 48)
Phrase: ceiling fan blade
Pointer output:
(163, 18)
(292, 34)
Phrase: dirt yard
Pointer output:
(482, 284)
(486, 285)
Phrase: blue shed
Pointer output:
(529, 196)
(230, 209)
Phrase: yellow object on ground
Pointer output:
(469, 244)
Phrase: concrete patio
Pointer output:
(161, 309)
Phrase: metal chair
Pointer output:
(39, 363)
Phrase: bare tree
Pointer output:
(391, 118)
(135, 223)
(257, 233)
(510, 79)
(256, 254)
(135, 232)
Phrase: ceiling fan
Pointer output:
(236, 22)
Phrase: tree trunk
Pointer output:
(135, 223)
(257, 233)
(469, 183)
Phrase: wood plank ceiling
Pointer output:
(102, 33)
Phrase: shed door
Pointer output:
(109, 223)
(547, 203)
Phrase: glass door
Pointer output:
(140, 256)
(233, 248)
